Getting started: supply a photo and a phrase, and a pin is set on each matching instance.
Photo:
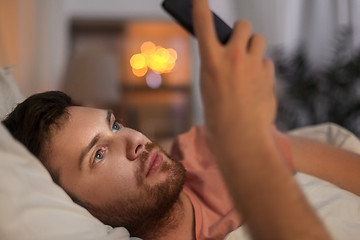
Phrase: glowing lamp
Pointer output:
(152, 57)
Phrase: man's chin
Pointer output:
(158, 199)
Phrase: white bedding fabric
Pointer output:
(9, 93)
(339, 209)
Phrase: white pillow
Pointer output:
(31, 205)
(9, 92)
(330, 133)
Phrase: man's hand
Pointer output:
(236, 82)
(237, 88)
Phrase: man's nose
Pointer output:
(135, 145)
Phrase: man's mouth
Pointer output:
(155, 161)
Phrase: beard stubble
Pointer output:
(154, 208)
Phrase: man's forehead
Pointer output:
(79, 111)
(80, 126)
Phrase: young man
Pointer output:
(123, 178)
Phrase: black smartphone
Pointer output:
(181, 10)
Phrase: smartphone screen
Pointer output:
(181, 10)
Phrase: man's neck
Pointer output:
(185, 221)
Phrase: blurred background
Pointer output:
(131, 57)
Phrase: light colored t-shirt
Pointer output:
(215, 215)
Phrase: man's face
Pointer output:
(108, 167)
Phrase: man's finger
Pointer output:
(204, 27)
(257, 45)
(241, 34)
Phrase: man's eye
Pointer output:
(99, 155)
(116, 126)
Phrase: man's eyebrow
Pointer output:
(108, 116)
(93, 142)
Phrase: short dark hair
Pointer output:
(33, 120)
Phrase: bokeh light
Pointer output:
(147, 47)
(140, 72)
(153, 79)
(152, 57)
(138, 61)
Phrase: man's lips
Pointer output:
(155, 161)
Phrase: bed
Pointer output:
(33, 207)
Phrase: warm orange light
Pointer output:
(157, 58)
(138, 61)
(146, 47)
(173, 54)
(140, 72)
